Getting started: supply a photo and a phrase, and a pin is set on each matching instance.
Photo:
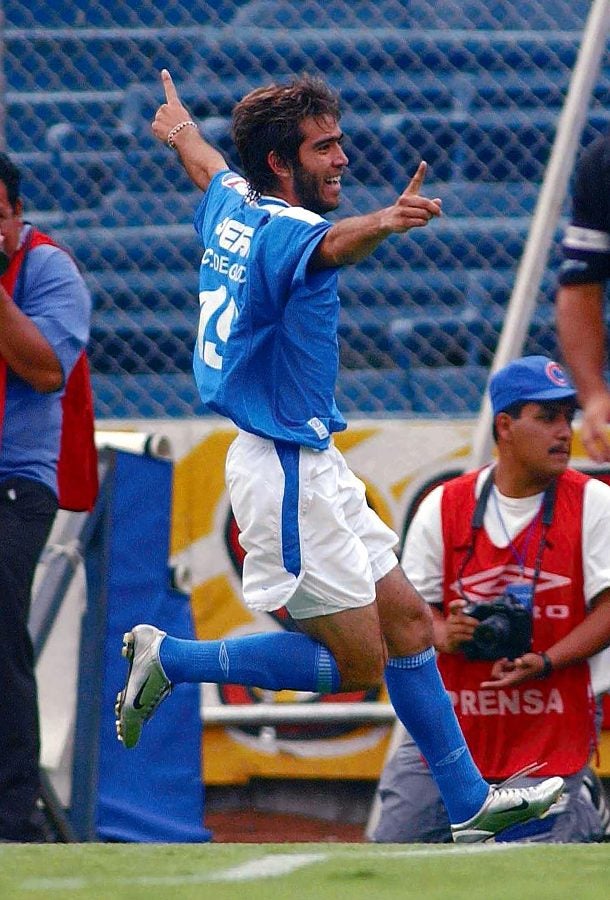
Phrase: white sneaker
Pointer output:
(506, 806)
(146, 685)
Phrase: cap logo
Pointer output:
(555, 373)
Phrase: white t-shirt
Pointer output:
(423, 554)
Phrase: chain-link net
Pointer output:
(475, 87)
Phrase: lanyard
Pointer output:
(547, 507)
(519, 558)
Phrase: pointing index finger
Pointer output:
(416, 182)
(171, 95)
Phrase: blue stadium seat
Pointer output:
(458, 243)
(404, 290)
(284, 14)
(123, 208)
(119, 13)
(152, 248)
(372, 391)
(41, 184)
(140, 289)
(509, 147)
(430, 14)
(435, 341)
(88, 159)
(140, 342)
(387, 148)
(98, 61)
(29, 115)
(149, 396)
(364, 339)
(452, 391)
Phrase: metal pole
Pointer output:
(546, 215)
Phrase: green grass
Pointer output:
(303, 872)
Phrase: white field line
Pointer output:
(272, 865)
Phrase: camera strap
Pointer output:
(478, 516)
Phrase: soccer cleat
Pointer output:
(146, 685)
(507, 806)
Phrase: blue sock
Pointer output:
(423, 706)
(277, 660)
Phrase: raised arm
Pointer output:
(200, 160)
(582, 337)
(352, 239)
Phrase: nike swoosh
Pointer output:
(523, 805)
(137, 705)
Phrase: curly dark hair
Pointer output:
(11, 176)
(269, 118)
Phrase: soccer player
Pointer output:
(580, 301)
(266, 357)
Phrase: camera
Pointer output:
(504, 629)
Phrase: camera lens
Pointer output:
(494, 632)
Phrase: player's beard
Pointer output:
(308, 189)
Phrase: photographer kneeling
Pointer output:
(514, 561)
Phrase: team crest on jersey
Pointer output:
(235, 182)
(492, 582)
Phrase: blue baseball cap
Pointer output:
(531, 378)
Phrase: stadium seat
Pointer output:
(404, 290)
(35, 60)
(161, 342)
(41, 184)
(455, 243)
(364, 339)
(148, 248)
(508, 147)
(373, 391)
(141, 289)
(448, 390)
(30, 114)
(125, 395)
(121, 13)
(123, 208)
(435, 341)
(278, 14)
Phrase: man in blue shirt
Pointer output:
(45, 309)
(267, 358)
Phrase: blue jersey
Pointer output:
(266, 355)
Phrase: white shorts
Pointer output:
(312, 542)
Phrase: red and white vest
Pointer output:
(77, 476)
(547, 721)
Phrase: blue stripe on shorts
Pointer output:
(288, 455)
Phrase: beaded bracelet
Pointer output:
(188, 123)
(547, 667)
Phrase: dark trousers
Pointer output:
(27, 511)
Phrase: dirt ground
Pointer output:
(255, 826)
